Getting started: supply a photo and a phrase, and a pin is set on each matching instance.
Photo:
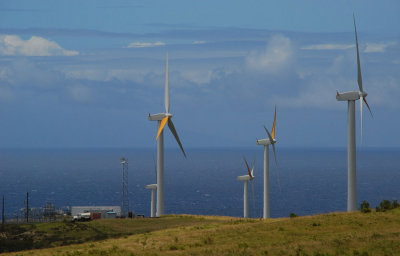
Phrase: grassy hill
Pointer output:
(375, 233)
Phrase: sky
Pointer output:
(88, 73)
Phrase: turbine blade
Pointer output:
(172, 128)
(252, 167)
(166, 97)
(248, 168)
(162, 125)
(269, 135)
(277, 168)
(366, 103)
(361, 118)
(273, 126)
(359, 78)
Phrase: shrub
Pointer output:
(293, 215)
(364, 207)
(386, 205)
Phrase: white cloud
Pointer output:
(143, 44)
(378, 47)
(25, 72)
(199, 42)
(313, 96)
(317, 85)
(327, 47)
(384, 91)
(104, 74)
(370, 47)
(35, 46)
(278, 53)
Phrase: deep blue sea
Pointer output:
(312, 180)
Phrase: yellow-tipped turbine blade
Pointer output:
(162, 125)
(273, 126)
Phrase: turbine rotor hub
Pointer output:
(363, 94)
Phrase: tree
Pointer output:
(364, 207)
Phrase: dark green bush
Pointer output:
(364, 207)
(386, 205)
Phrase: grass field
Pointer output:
(375, 233)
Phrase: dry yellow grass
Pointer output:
(328, 234)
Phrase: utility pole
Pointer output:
(125, 195)
(2, 214)
(27, 207)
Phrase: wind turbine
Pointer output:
(266, 142)
(153, 188)
(245, 179)
(163, 119)
(351, 97)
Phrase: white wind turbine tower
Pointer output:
(266, 142)
(245, 179)
(153, 188)
(163, 119)
(351, 97)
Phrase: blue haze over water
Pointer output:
(312, 180)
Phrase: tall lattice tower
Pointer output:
(125, 196)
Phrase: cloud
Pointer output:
(26, 73)
(378, 47)
(13, 45)
(105, 74)
(204, 76)
(199, 42)
(327, 47)
(278, 53)
(370, 47)
(143, 44)
(319, 94)
(318, 83)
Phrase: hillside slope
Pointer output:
(328, 234)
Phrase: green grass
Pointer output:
(375, 233)
(45, 235)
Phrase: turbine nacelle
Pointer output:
(265, 142)
(244, 178)
(151, 186)
(159, 116)
(346, 96)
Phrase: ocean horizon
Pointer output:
(312, 180)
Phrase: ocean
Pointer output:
(312, 180)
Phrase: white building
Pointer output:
(105, 211)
